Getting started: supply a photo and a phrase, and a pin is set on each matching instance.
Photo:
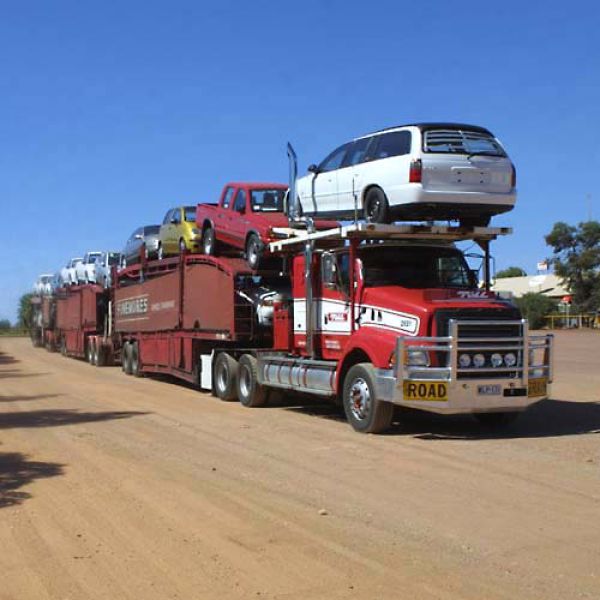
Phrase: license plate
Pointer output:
(537, 387)
(489, 390)
(427, 391)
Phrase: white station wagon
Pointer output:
(424, 171)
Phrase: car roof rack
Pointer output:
(375, 231)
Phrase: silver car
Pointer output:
(104, 266)
(143, 239)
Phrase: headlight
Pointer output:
(478, 360)
(510, 360)
(496, 360)
(464, 360)
(417, 358)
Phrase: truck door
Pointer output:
(333, 305)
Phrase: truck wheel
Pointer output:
(95, 352)
(100, 356)
(226, 377)
(126, 358)
(376, 206)
(63, 347)
(89, 351)
(364, 412)
(254, 251)
(208, 241)
(250, 392)
(496, 420)
(134, 351)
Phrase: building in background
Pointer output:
(550, 285)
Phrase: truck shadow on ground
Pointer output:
(16, 373)
(548, 418)
(28, 398)
(59, 417)
(17, 471)
(7, 359)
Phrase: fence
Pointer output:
(575, 321)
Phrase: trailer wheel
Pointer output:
(63, 346)
(100, 356)
(226, 377)
(135, 359)
(95, 352)
(254, 251)
(89, 350)
(208, 241)
(495, 420)
(376, 206)
(126, 357)
(364, 412)
(250, 392)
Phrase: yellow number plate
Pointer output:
(428, 391)
(538, 387)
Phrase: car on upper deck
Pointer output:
(104, 266)
(142, 240)
(247, 217)
(68, 274)
(178, 232)
(423, 171)
(85, 271)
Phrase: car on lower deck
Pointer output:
(424, 171)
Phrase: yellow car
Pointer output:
(178, 232)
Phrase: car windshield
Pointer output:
(92, 258)
(114, 258)
(461, 141)
(151, 229)
(416, 267)
(267, 200)
(190, 214)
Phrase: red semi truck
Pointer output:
(371, 316)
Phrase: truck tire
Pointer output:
(89, 351)
(250, 392)
(364, 412)
(208, 241)
(63, 346)
(254, 251)
(136, 367)
(95, 351)
(226, 377)
(496, 420)
(126, 358)
(100, 356)
(377, 208)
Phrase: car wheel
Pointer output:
(376, 206)
(250, 393)
(146, 252)
(364, 412)
(226, 374)
(254, 251)
(161, 253)
(182, 247)
(208, 241)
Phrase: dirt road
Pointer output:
(120, 488)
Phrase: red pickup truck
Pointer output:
(248, 216)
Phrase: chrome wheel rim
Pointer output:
(360, 399)
(245, 382)
(222, 377)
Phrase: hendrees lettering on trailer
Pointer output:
(133, 306)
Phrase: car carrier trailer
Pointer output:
(336, 327)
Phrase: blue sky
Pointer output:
(111, 112)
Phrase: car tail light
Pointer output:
(416, 169)
(513, 177)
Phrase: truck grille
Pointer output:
(495, 331)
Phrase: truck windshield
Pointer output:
(461, 141)
(416, 267)
(267, 200)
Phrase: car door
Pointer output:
(238, 220)
(349, 176)
(175, 231)
(323, 194)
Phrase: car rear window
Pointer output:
(461, 141)
(151, 229)
(190, 214)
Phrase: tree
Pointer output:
(25, 311)
(577, 261)
(4, 324)
(511, 272)
(535, 307)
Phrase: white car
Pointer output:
(104, 266)
(85, 271)
(43, 285)
(68, 274)
(426, 171)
